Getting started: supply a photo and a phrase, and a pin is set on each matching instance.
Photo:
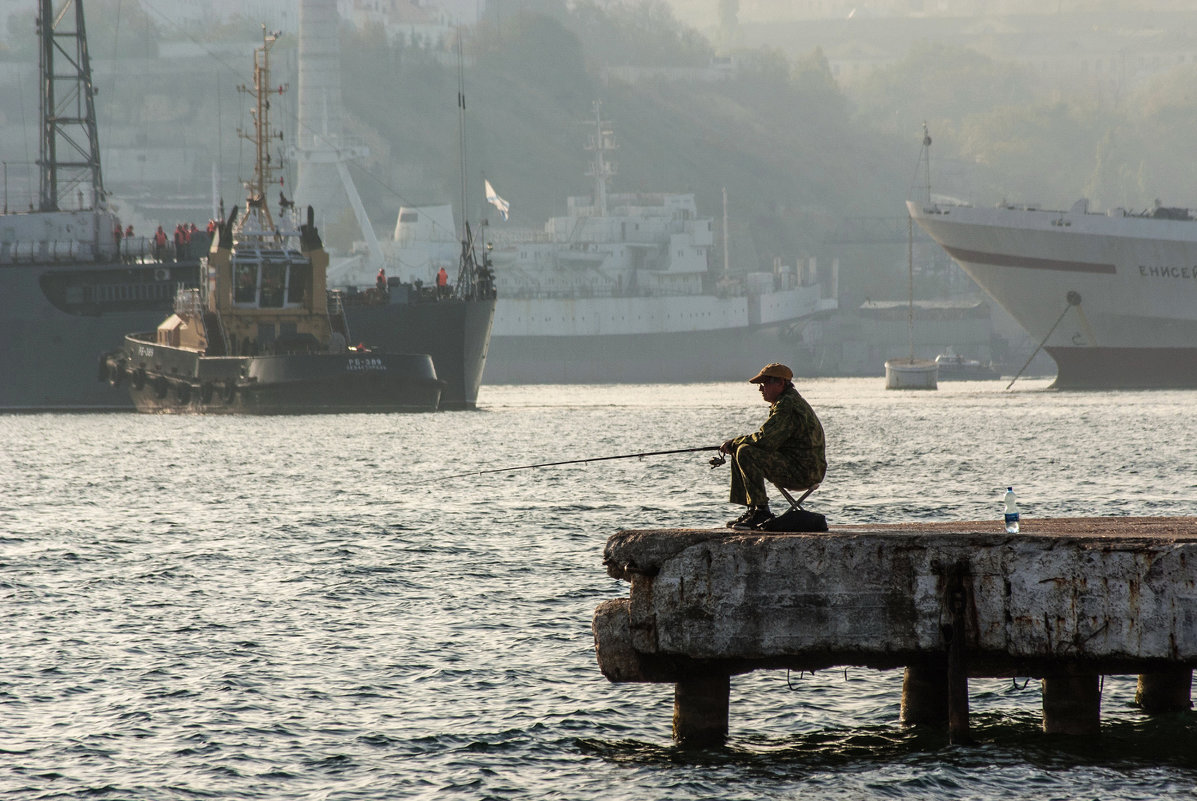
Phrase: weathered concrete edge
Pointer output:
(652, 656)
(642, 551)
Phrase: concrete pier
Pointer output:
(1066, 600)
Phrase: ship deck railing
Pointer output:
(418, 292)
(137, 250)
(583, 293)
(734, 290)
(655, 230)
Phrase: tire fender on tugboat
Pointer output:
(161, 386)
(116, 372)
(139, 378)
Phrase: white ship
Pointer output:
(621, 289)
(1112, 296)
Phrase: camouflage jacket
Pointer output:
(792, 430)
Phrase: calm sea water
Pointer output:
(238, 608)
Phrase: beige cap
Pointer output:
(774, 370)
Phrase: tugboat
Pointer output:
(263, 335)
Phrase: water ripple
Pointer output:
(304, 611)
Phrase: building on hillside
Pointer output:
(430, 24)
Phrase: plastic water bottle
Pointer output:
(1011, 511)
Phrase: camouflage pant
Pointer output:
(752, 465)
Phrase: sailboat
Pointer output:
(909, 372)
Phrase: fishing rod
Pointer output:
(714, 462)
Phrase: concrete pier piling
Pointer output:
(1072, 702)
(924, 695)
(1066, 600)
(1165, 691)
(700, 710)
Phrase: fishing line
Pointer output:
(592, 459)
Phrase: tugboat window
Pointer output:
(274, 280)
(246, 284)
(299, 283)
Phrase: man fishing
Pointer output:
(789, 449)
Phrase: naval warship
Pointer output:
(68, 287)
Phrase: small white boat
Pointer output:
(954, 367)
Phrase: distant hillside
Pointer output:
(776, 132)
(776, 135)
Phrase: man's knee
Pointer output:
(747, 457)
(744, 452)
(773, 467)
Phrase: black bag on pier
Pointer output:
(796, 520)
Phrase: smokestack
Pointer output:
(320, 109)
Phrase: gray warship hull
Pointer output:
(56, 320)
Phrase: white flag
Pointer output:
(492, 197)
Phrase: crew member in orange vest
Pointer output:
(159, 243)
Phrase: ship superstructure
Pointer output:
(622, 287)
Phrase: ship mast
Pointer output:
(725, 258)
(601, 141)
(257, 220)
(68, 116)
(927, 162)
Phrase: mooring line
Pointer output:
(1074, 299)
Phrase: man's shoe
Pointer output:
(758, 518)
(747, 514)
